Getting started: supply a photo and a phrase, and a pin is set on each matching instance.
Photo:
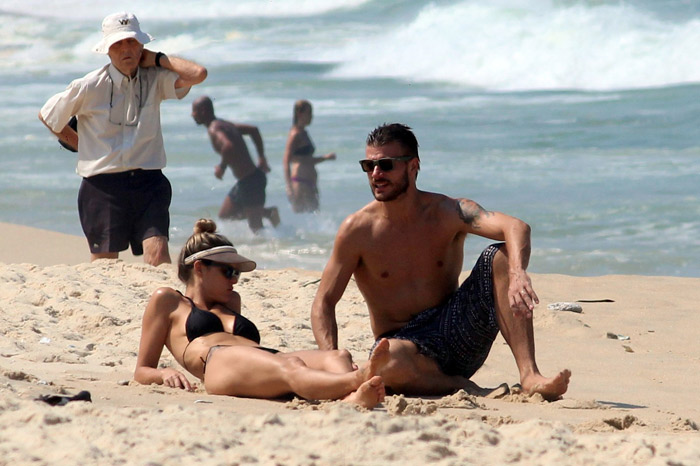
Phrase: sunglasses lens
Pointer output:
(227, 271)
(385, 165)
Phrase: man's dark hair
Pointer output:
(204, 103)
(394, 132)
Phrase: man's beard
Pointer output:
(399, 188)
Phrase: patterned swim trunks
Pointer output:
(458, 334)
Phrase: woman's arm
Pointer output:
(323, 158)
(287, 160)
(154, 332)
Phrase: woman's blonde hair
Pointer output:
(204, 237)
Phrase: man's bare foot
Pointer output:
(377, 360)
(551, 389)
(369, 394)
(499, 392)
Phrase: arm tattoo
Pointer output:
(470, 212)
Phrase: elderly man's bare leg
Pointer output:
(518, 333)
(104, 255)
(155, 250)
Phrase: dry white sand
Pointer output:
(68, 326)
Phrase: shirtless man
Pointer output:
(246, 200)
(405, 250)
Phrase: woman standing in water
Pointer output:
(207, 335)
(300, 164)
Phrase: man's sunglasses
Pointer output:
(386, 164)
(228, 271)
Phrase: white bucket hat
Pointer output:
(119, 26)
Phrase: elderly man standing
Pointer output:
(124, 197)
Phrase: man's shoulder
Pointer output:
(222, 125)
(215, 126)
(91, 78)
(362, 218)
(436, 197)
(369, 211)
(95, 75)
(441, 203)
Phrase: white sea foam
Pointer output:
(177, 9)
(502, 45)
(539, 44)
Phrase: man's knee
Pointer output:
(291, 367)
(255, 216)
(499, 264)
(342, 354)
(403, 368)
(230, 210)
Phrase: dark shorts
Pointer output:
(121, 209)
(250, 191)
(458, 334)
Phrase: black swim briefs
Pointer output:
(458, 334)
(250, 191)
(119, 209)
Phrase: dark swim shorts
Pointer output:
(458, 334)
(250, 191)
(121, 209)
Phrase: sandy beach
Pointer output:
(69, 325)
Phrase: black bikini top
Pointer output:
(305, 151)
(202, 322)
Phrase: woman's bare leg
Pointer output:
(338, 361)
(251, 372)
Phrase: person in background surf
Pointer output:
(124, 198)
(299, 162)
(246, 200)
(405, 251)
(207, 335)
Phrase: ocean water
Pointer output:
(580, 117)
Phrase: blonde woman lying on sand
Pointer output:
(206, 333)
